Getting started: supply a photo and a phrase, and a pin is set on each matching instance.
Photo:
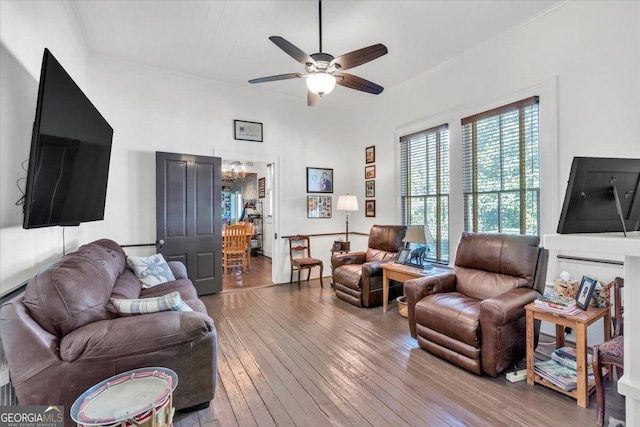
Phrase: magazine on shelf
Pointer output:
(558, 300)
(559, 375)
(571, 354)
(569, 311)
(571, 363)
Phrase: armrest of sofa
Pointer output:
(29, 349)
(178, 269)
(506, 307)
(416, 289)
(141, 334)
(350, 258)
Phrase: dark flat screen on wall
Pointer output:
(602, 193)
(70, 153)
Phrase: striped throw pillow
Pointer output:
(169, 302)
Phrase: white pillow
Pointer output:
(151, 271)
(169, 302)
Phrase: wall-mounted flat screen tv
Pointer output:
(70, 153)
(602, 196)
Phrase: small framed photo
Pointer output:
(403, 255)
(261, 188)
(370, 154)
(370, 188)
(247, 131)
(585, 291)
(336, 246)
(319, 180)
(370, 208)
(370, 172)
(318, 206)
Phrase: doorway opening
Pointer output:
(247, 197)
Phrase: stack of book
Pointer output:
(558, 304)
(561, 369)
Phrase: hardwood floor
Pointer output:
(301, 358)
(259, 275)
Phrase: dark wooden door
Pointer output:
(188, 221)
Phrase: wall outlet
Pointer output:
(520, 375)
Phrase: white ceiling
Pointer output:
(227, 41)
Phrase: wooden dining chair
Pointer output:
(610, 352)
(234, 247)
(300, 255)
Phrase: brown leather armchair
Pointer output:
(357, 276)
(475, 317)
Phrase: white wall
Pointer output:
(26, 28)
(589, 50)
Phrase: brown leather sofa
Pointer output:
(60, 339)
(357, 276)
(475, 317)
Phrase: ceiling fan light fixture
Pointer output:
(321, 83)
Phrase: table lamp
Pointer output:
(347, 203)
(421, 235)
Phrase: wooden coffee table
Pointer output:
(402, 273)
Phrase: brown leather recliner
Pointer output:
(475, 317)
(357, 276)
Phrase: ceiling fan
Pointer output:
(323, 71)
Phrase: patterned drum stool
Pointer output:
(142, 397)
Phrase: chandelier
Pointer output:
(233, 171)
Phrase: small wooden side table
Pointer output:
(402, 273)
(579, 323)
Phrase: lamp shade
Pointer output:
(321, 83)
(418, 234)
(347, 202)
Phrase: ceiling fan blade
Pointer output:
(312, 99)
(360, 56)
(358, 83)
(292, 50)
(277, 77)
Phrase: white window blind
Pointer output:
(501, 167)
(424, 187)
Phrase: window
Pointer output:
(424, 188)
(501, 167)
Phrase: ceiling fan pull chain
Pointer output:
(320, 22)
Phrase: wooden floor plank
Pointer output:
(304, 357)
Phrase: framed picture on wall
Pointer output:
(318, 206)
(319, 180)
(370, 188)
(261, 188)
(370, 154)
(247, 131)
(370, 208)
(370, 172)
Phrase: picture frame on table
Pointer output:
(370, 172)
(402, 256)
(247, 131)
(370, 188)
(319, 207)
(319, 180)
(585, 292)
(370, 208)
(370, 154)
